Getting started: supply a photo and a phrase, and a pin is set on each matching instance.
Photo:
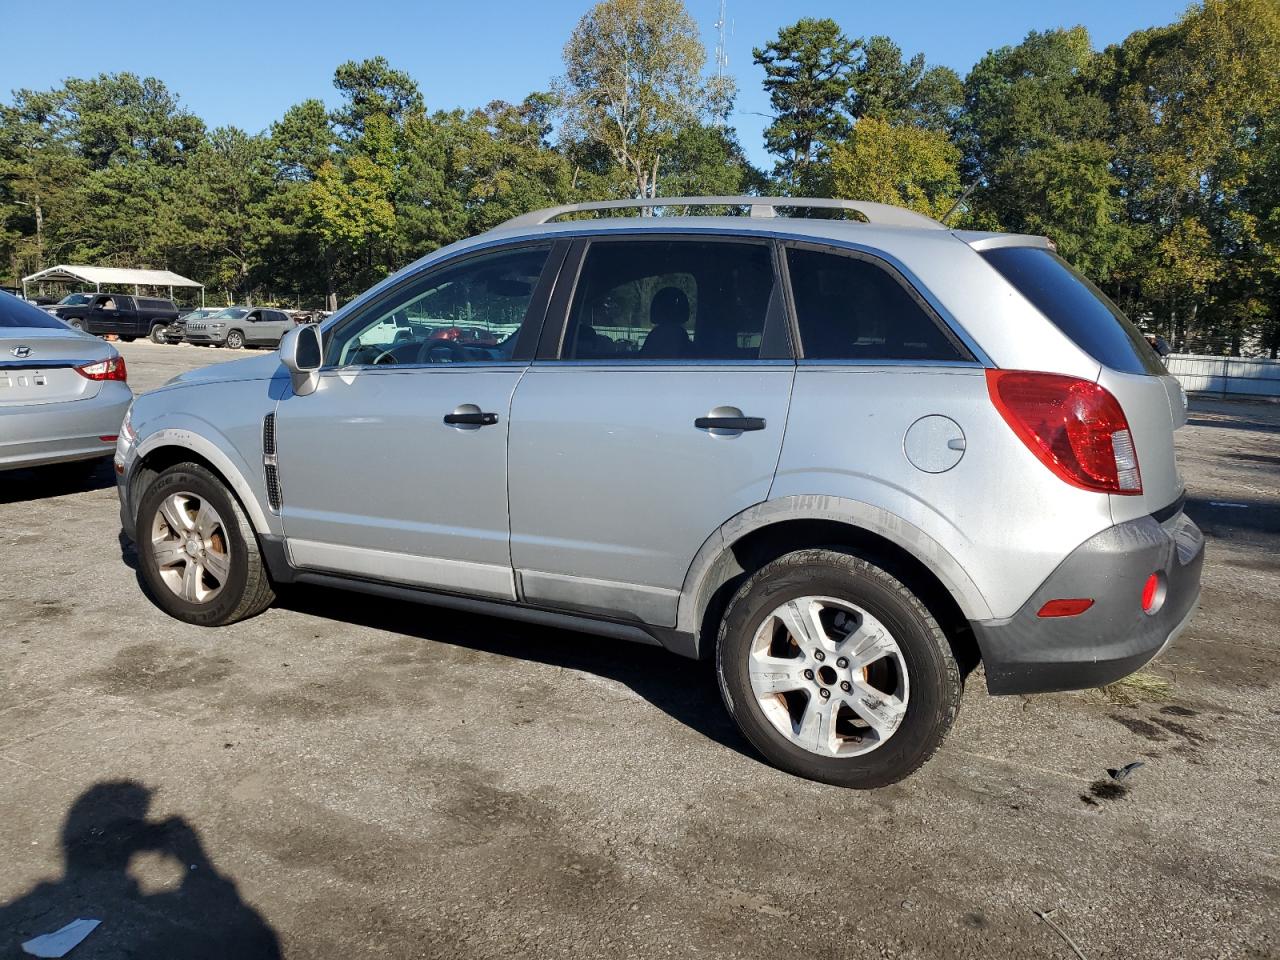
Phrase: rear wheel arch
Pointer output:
(764, 533)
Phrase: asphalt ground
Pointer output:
(346, 776)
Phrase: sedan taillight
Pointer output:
(110, 369)
(1074, 426)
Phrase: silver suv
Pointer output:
(850, 460)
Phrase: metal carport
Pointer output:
(113, 276)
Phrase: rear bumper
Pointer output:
(40, 434)
(1114, 637)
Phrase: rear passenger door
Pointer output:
(654, 413)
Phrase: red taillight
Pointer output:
(1065, 608)
(110, 369)
(1074, 426)
(1150, 593)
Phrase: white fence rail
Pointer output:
(1226, 376)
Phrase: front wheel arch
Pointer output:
(158, 455)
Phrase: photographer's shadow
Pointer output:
(201, 916)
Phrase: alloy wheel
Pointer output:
(191, 548)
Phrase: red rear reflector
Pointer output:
(109, 439)
(1065, 608)
(111, 368)
(1075, 427)
(1149, 590)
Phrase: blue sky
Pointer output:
(244, 63)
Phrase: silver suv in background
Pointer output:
(237, 327)
(848, 460)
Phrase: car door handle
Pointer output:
(729, 423)
(469, 419)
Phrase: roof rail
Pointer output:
(883, 214)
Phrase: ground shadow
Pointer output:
(684, 689)
(59, 480)
(1225, 517)
(200, 916)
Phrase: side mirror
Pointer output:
(302, 353)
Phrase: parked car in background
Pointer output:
(126, 316)
(175, 331)
(846, 460)
(63, 393)
(237, 327)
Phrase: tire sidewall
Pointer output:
(929, 707)
(157, 333)
(191, 478)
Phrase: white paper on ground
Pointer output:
(60, 942)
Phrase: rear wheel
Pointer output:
(124, 339)
(76, 324)
(197, 552)
(835, 671)
(235, 340)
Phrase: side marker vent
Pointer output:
(269, 466)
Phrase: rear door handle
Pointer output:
(729, 423)
(470, 418)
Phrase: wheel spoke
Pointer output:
(207, 520)
(800, 617)
(882, 712)
(773, 675)
(191, 577)
(174, 511)
(813, 732)
(169, 552)
(866, 645)
(218, 564)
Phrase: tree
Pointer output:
(808, 69)
(633, 81)
(904, 165)
(373, 87)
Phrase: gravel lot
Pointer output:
(345, 776)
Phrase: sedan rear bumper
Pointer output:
(39, 434)
(1114, 637)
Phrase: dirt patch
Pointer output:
(158, 668)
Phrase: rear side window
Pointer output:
(670, 300)
(15, 313)
(1077, 308)
(850, 308)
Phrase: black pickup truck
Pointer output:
(126, 316)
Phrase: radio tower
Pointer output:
(722, 58)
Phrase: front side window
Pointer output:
(470, 312)
(850, 308)
(670, 300)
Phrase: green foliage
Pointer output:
(1154, 164)
(808, 72)
(904, 165)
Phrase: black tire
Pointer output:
(75, 324)
(235, 340)
(248, 589)
(127, 339)
(935, 681)
(157, 333)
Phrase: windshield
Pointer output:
(74, 299)
(198, 313)
(231, 313)
(16, 313)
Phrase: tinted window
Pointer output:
(849, 308)
(469, 312)
(19, 313)
(670, 300)
(1076, 307)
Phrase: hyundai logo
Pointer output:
(21, 352)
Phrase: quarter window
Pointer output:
(849, 308)
(470, 312)
(670, 300)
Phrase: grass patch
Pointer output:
(1137, 688)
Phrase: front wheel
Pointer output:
(835, 671)
(157, 333)
(235, 340)
(75, 324)
(197, 552)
